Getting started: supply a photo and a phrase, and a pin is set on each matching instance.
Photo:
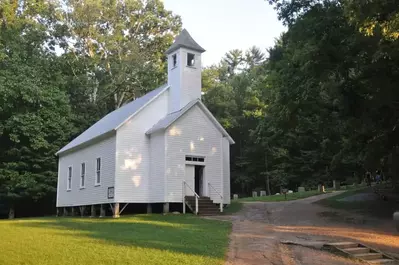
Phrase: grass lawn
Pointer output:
(277, 198)
(375, 208)
(235, 206)
(141, 239)
(335, 201)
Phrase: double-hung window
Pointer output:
(69, 179)
(98, 171)
(82, 175)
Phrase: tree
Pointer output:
(254, 56)
(63, 65)
(233, 59)
(34, 111)
(120, 45)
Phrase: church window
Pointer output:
(174, 58)
(190, 59)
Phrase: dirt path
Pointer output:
(260, 227)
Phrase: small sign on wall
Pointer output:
(111, 192)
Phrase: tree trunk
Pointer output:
(268, 185)
(267, 177)
(11, 212)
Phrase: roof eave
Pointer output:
(216, 123)
(174, 48)
(61, 151)
(207, 112)
(145, 105)
(87, 143)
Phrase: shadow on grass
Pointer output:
(184, 234)
(377, 207)
(234, 207)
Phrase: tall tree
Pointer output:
(34, 111)
(120, 45)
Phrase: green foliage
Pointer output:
(63, 65)
(323, 106)
(35, 113)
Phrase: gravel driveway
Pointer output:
(259, 228)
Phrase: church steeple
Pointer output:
(184, 71)
(186, 41)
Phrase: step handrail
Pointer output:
(184, 197)
(221, 196)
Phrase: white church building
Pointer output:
(164, 147)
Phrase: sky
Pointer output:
(222, 25)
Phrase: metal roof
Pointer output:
(114, 119)
(186, 41)
(165, 122)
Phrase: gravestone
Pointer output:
(320, 188)
(277, 193)
(396, 220)
(336, 185)
(254, 194)
(290, 191)
(262, 193)
(235, 196)
(301, 189)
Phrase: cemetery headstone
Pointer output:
(301, 189)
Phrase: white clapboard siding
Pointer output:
(132, 182)
(157, 167)
(91, 194)
(226, 170)
(193, 134)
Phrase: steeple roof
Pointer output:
(184, 40)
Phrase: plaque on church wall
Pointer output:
(111, 192)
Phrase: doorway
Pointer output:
(199, 180)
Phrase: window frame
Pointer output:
(69, 177)
(193, 60)
(97, 172)
(83, 176)
(174, 60)
(195, 159)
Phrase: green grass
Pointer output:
(234, 207)
(142, 239)
(335, 202)
(377, 208)
(278, 198)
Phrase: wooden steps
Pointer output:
(205, 205)
(369, 256)
(357, 250)
(360, 251)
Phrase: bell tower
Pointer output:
(184, 71)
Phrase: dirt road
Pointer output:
(259, 229)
